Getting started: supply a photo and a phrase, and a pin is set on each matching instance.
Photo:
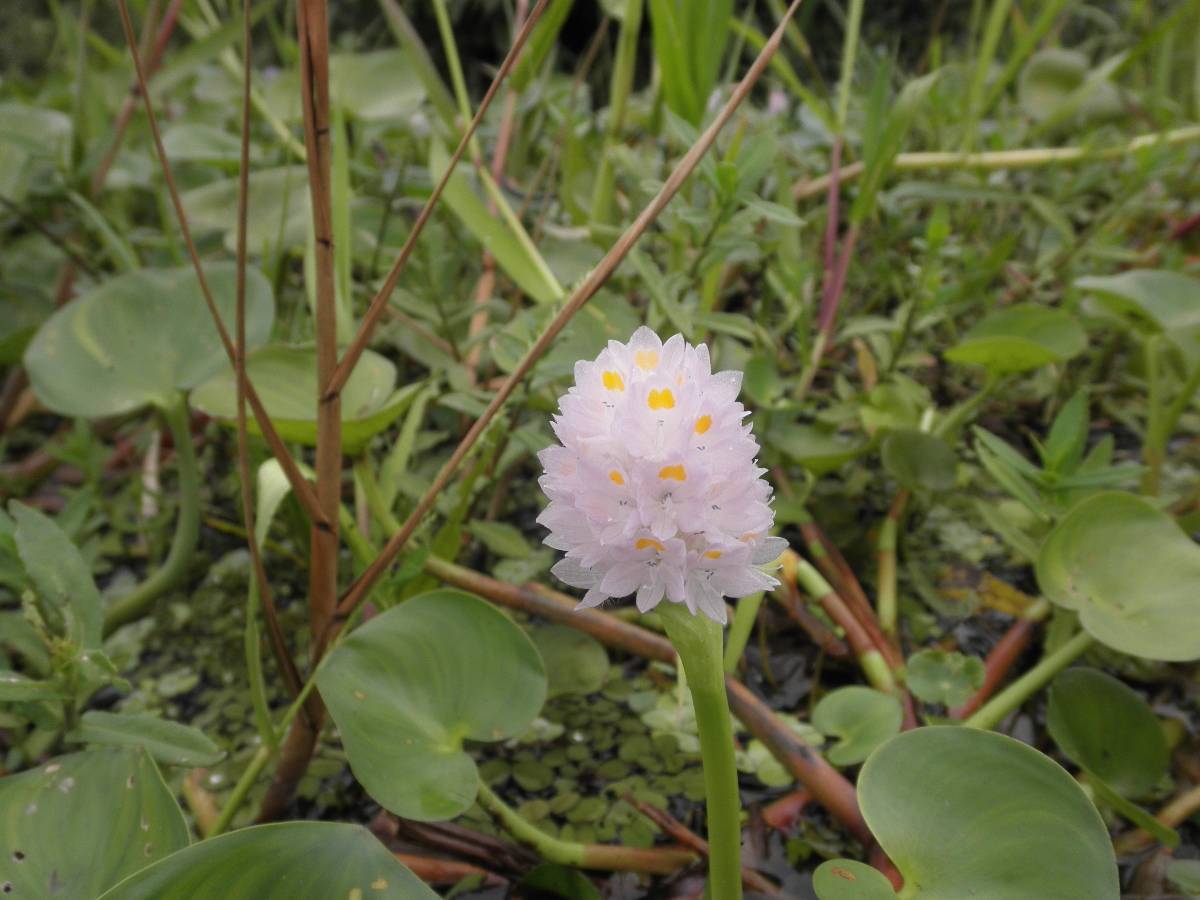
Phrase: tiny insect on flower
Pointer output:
(654, 487)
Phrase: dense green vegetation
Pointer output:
(296, 634)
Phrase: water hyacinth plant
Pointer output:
(655, 489)
(853, 348)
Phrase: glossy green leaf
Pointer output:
(80, 823)
(816, 449)
(576, 663)
(286, 861)
(1058, 82)
(59, 574)
(375, 86)
(139, 338)
(516, 257)
(501, 538)
(919, 461)
(970, 813)
(409, 686)
(1020, 338)
(848, 879)
(18, 688)
(201, 142)
(1106, 728)
(1156, 299)
(1130, 574)
(1068, 435)
(171, 743)
(861, 718)
(286, 380)
(936, 676)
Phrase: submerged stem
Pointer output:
(994, 711)
(697, 640)
(187, 526)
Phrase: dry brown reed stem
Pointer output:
(379, 301)
(829, 787)
(300, 486)
(584, 292)
(279, 645)
(684, 835)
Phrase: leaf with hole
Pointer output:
(969, 813)
(861, 718)
(936, 676)
(1020, 338)
(465, 673)
(1129, 572)
(286, 380)
(284, 861)
(139, 338)
(77, 825)
(170, 743)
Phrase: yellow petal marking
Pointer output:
(676, 472)
(712, 554)
(663, 399)
(643, 543)
(703, 424)
(613, 381)
(616, 477)
(646, 360)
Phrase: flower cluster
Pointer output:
(655, 487)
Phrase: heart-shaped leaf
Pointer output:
(919, 461)
(409, 686)
(286, 380)
(861, 717)
(1107, 729)
(80, 823)
(1020, 338)
(1129, 572)
(279, 210)
(171, 743)
(576, 663)
(969, 813)
(138, 339)
(1162, 299)
(848, 879)
(279, 862)
(936, 676)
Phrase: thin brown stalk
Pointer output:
(587, 288)
(379, 301)
(1004, 655)
(279, 646)
(300, 486)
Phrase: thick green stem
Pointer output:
(886, 599)
(187, 526)
(744, 615)
(993, 712)
(697, 640)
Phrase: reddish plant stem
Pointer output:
(789, 598)
(1003, 656)
(829, 787)
(782, 814)
(433, 870)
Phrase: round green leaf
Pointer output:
(171, 743)
(848, 879)
(280, 209)
(1129, 572)
(919, 460)
(408, 687)
(139, 338)
(1107, 729)
(576, 663)
(80, 823)
(936, 676)
(970, 813)
(861, 717)
(816, 449)
(1166, 300)
(279, 862)
(1020, 338)
(286, 380)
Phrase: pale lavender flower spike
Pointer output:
(655, 488)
